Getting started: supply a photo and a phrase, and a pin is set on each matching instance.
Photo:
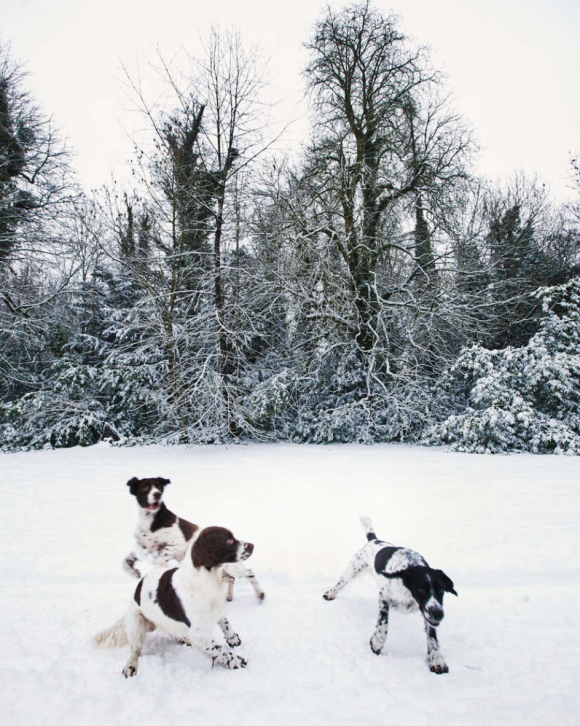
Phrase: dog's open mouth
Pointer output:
(432, 623)
(153, 507)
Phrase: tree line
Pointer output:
(369, 287)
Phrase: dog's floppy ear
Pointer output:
(214, 546)
(446, 582)
(163, 481)
(132, 484)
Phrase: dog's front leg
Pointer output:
(382, 627)
(232, 638)
(435, 658)
(129, 565)
(357, 565)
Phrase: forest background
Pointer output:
(370, 286)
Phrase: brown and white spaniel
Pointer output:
(162, 537)
(185, 602)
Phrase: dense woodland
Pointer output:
(369, 286)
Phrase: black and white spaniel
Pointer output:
(184, 602)
(162, 537)
(407, 583)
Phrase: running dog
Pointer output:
(406, 582)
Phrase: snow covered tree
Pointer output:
(525, 398)
(34, 174)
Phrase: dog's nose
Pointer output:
(157, 496)
(435, 614)
(249, 547)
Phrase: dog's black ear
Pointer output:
(163, 481)
(132, 484)
(446, 582)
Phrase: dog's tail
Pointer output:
(368, 528)
(113, 637)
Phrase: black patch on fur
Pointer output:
(187, 528)
(138, 592)
(383, 556)
(163, 518)
(168, 599)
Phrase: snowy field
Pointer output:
(505, 529)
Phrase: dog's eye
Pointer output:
(230, 541)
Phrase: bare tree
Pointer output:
(179, 233)
(387, 145)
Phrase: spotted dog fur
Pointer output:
(163, 538)
(184, 602)
(407, 583)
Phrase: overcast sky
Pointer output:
(512, 66)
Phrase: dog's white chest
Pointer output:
(166, 541)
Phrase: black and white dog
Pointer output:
(184, 602)
(406, 582)
(161, 536)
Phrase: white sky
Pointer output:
(512, 65)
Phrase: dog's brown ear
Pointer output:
(446, 582)
(215, 546)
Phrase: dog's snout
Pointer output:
(435, 614)
(156, 496)
(245, 550)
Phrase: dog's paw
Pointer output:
(236, 661)
(130, 670)
(329, 595)
(261, 596)
(229, 598)
(234, 640)
(376, 647)
(440, 667)
(131, 571)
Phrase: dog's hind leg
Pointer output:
(137, 626)
(358, 564)
(229, 580)
(240, 570)
(251, 578)
(129, 565)
(435, 658)
(232, 638)
(379, 637)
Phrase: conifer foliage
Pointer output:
(525, 398)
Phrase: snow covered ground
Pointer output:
(504, 528)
